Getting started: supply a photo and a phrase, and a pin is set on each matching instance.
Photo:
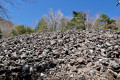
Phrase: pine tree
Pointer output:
(78, 20)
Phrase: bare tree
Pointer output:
(117, 21)
(95, 20)
(3, 6)
(88, 21)
(53, 19)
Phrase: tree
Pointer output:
(78, 20)
(14, 32)
(42, 25)
(29, 30)
(0, 34)
(20, 30)
(117, 22)
(88, 22)
(96, 21)
(53, 19)
(104, 18)
(108, 23)
(4, 3)
(64, 24)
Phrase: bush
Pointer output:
(29, 30)
(14, 32)
(20, 30)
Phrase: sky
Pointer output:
(27, 13)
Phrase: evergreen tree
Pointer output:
(104, 19)
(42, 26)
(78, 20)
(108, 23)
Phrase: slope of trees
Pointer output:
(56, 21)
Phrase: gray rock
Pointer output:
(114, 64)
(53, 42)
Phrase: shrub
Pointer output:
(29, 30)
(20, 30)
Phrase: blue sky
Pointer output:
(29, 13)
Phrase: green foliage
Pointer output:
(0, 34)
(29, 30)
(112, 21)
(42, 26)
(108, 24)
(78, 20)
(63, 24)
(20, 30)
(118, 28)
(113, 27)
(14, 32)
(104, 18)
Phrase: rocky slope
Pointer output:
(70, 55)
(6, 27)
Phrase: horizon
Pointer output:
(29, 13)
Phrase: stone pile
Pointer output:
(70, 55)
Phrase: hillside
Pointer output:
(6, 27)
(70, 55)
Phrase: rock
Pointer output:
(42, 74)
(45, 51)
(84, 51)
(14, 54)
(53, 42)
(23, 55)
(69, 55)
(108, 44)
(118, 76)
(114, 64)
(80, 60)
(80, 71)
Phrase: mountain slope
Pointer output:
(6, 27)
(69, 55)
